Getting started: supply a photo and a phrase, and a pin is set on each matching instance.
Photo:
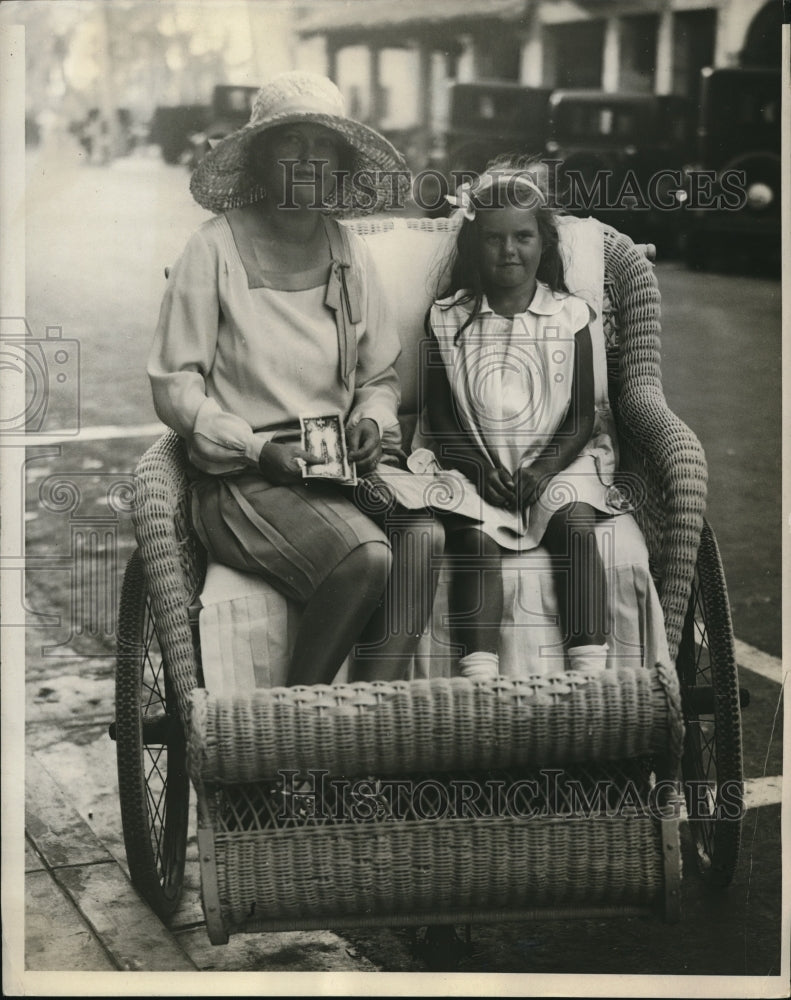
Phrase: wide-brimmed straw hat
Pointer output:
(225, 177)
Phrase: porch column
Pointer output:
(331, 60)
(531, 63)
(611, 58)
(425, 102)
(375, 112)
(664, 52)
(465, 65)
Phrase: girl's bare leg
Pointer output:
(333, 617)
(390, 638)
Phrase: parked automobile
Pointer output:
(172, 126)
(618, 157)
(731, 194)
(621, 156)
(230, 109)
(185, 132)
(493, 117)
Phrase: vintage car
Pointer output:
(185, 132)
(620, 156)
(731, 190)
(495, 117)
(172, 125)
(487, 119)
(230, 109)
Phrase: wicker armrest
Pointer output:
(173, 564)
(435, 726)
(673, 466)
(656, 445)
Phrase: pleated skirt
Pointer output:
(293, 536)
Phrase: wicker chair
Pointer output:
(275, 858)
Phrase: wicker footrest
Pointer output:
(550, 841)
(442, 866)
(440, 725)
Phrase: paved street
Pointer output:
(97, 241)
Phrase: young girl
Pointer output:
(511, 407)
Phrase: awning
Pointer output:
(361, 16)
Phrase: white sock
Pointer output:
(480, 665)
(588, 657)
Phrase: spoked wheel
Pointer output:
(153, 783)
(712, 759)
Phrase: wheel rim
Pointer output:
(151, 753)
(712, 758)
(700, 751)
(161, 756)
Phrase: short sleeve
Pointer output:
(581, 314)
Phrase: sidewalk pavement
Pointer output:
(81, 911)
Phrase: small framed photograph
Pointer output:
(324, 437)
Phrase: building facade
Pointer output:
(394, 61)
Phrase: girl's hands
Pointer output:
(365, 446)
(498, 487)
(282, 463)
(532, 483)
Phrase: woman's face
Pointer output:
(295, 163)
(510, 248)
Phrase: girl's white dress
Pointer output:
(512, 382)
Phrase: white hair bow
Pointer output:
(463, 198)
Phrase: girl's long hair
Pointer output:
(464, 265)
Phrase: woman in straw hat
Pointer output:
(274, 312)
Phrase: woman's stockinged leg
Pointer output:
(581, 582)
(333, 617)
(389, 640)
(476, 597)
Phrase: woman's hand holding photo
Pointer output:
(282, 463)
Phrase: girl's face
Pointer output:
(510, 248)
(302, 182)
